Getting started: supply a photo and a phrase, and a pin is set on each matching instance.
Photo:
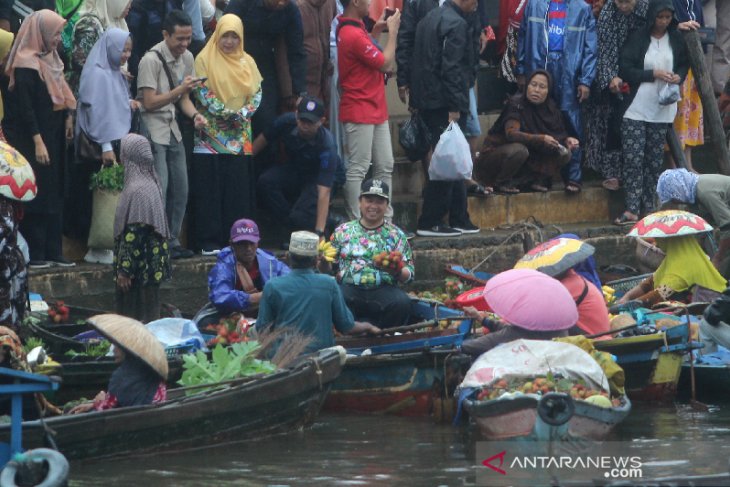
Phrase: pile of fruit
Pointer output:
(391, 262)
(543, 385)
(609, 294)
(327, 251)
(232, 329)
(452, 288)
(58, 312)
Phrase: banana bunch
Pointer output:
(327, 250)
(608, 295)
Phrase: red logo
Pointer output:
(487, 462)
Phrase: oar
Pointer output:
(422, 324)
(696, 405)
(611, 332)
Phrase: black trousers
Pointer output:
(141, 302)
(279, 186)
(43, 233)
(222, 190)
(442, 197)
(384, 306)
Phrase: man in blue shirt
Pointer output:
(306, 301)
(298, 191)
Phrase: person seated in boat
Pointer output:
(528, 143)
(140, 377)
(12, 356)
(715, 324)
(685, 265)
(368, 281)
(236, 281)
(306, 301)
(709, 196)
(531, 305)
(592, 310)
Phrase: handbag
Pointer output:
(87, 148)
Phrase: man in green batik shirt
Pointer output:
(365, 270)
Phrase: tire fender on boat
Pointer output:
(556, 408)
(57, 468)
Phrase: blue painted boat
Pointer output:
(413, 374)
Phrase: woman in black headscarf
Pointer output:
(528, 143)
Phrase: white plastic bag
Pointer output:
(533, 358)
(451, 159)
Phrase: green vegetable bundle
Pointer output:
(110, 178)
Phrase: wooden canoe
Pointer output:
(530, 417)
(285, 400)
(651, 363)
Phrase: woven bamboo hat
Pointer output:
(134, 338)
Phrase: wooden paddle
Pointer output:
(422, 324)
(693, 402)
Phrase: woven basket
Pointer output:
(649, 256)
(621, 286)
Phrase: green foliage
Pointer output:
(98, 349)
(110, 178)
(32, 342)
(238, 360)
(31, 319)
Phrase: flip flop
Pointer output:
(624, 220)
(478, 190)
(539, 188)
(611, 184)
(572, 188)
(506, 190)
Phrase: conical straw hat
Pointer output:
(134, 338)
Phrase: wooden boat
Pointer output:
(406, 384)
(712, 382)
(247, 408)
(554, 416)
(413, 374)
(651, 363)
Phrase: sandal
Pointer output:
(611, 184)
(506, 190)
(625, 219)
(539, 188)
(572, 188)
(479, 190)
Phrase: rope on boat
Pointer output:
(319, 371)
(530, 223)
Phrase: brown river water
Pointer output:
(353, 450)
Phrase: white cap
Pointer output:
(304, 244)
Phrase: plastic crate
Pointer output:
(182, 349)
(622, 286)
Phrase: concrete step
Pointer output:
(592, 204)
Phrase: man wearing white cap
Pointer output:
(304, 300)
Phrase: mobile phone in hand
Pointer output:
(389, 12)
(203, 79)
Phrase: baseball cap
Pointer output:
(310, 108)
(304, 244)
(375, 187)
(245, 230)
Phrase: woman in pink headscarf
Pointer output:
(37, 121)
(533, 305)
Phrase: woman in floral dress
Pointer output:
(141, 254)
(222, 175)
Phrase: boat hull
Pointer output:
(518, 418)
(406, 384)
(283, 401)
(651, 363)
(711, 381)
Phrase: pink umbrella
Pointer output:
(531, 300)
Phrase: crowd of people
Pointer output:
(277, 104)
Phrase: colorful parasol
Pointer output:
(17, 180)
(531, 300)
(669, 223)
(556, 256)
